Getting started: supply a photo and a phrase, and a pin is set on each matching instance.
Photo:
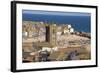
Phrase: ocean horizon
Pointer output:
(80, 22)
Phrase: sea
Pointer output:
(79, 23)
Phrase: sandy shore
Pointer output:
(71, 37)
(63, 40)
(65, 44)
(59, 38)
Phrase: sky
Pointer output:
(55, 13)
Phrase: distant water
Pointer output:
(79, 23)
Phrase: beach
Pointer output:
(65, 44)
